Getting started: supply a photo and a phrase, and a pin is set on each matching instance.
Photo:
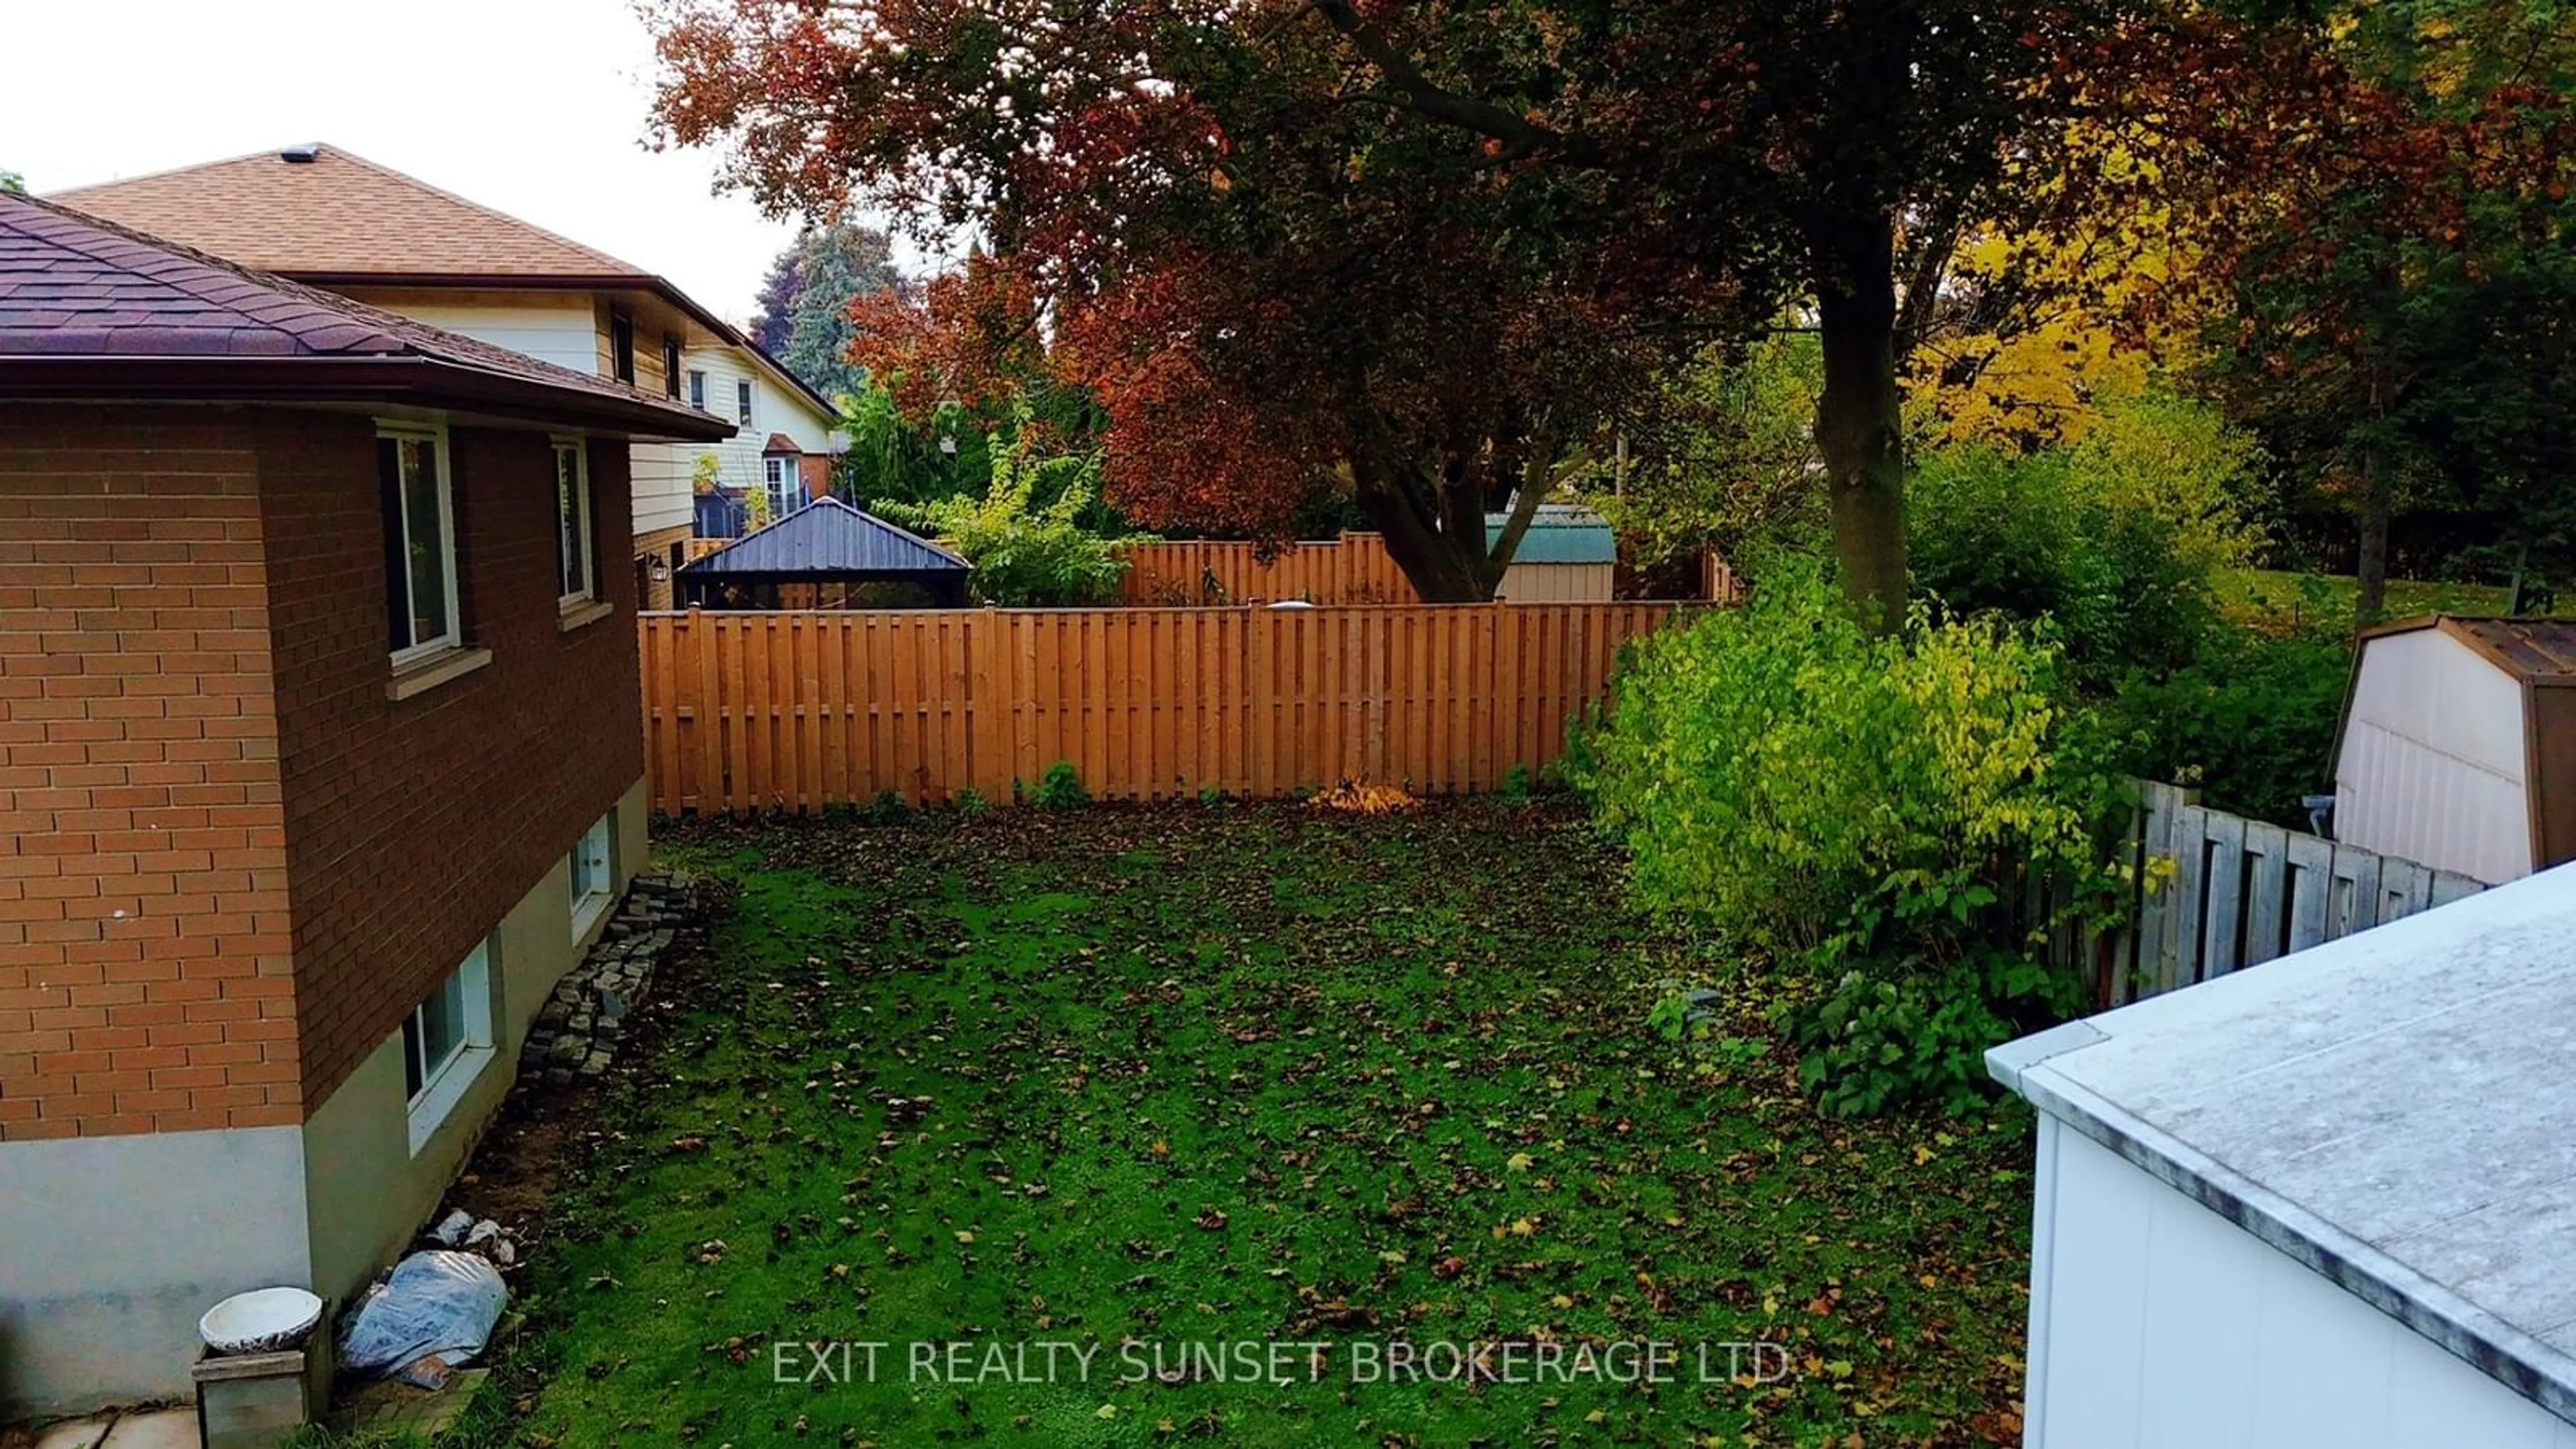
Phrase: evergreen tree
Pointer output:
(804, 316)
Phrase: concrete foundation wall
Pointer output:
(111, 1248)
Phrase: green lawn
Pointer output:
(1121, 1079)
(2277, 597)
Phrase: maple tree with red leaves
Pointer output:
(1426, 254)
(966, 338)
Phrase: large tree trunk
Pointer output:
(1859, 420)
(1445, 563)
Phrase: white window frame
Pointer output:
(594, 855)
(698, 388)
(443, 1083)
(742, 398)
(780, 482)
(589, 589)
(436, 437)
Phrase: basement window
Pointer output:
(594, 883)
(446, 1042)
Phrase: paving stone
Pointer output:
(404, 1409)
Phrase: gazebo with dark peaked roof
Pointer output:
(809, 551)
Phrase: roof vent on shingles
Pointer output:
(339, 215)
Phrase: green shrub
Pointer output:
(971, 801)
(2033, 537)
(1025, 537)
(2118, 555)
(1210, 796)
(2179, 461)
(1878, 1039)
(1845, 808)
(2250, 722)
(1061, 788)
(888, 808)
(1516, 785)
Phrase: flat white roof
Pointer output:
(2396, 1110)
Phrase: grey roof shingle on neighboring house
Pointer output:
(828, 539)
(91, 308)
(324, 215)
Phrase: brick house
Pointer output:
(325, 217)
(320, 762)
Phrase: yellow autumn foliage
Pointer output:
(2044, 355)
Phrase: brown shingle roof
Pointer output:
(2525, 648)
(2537, 650)
(77, 293)
(337, 214)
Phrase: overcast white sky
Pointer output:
(533, 107)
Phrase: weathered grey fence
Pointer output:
(2242, 892)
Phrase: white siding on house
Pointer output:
(775, 408)
(2155, 1322)
(661, 480)
(565, 333)
(2432, 763)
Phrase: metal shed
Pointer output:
(820, 557)
(2458, 745)
(1567, 556)
(2326, 1204)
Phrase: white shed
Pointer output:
(2327, 1203)
(2458, 745)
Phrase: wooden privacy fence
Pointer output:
(799, 711)
(1352, 569)
(2241, 892)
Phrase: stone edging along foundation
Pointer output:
(578, 1030)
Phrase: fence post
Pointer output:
(988, 706)
(713, 712)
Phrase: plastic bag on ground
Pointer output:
(438, 1305)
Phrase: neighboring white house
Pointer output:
(321, 216)
(2458, 745)
(767, 406)
(2325, 1203)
